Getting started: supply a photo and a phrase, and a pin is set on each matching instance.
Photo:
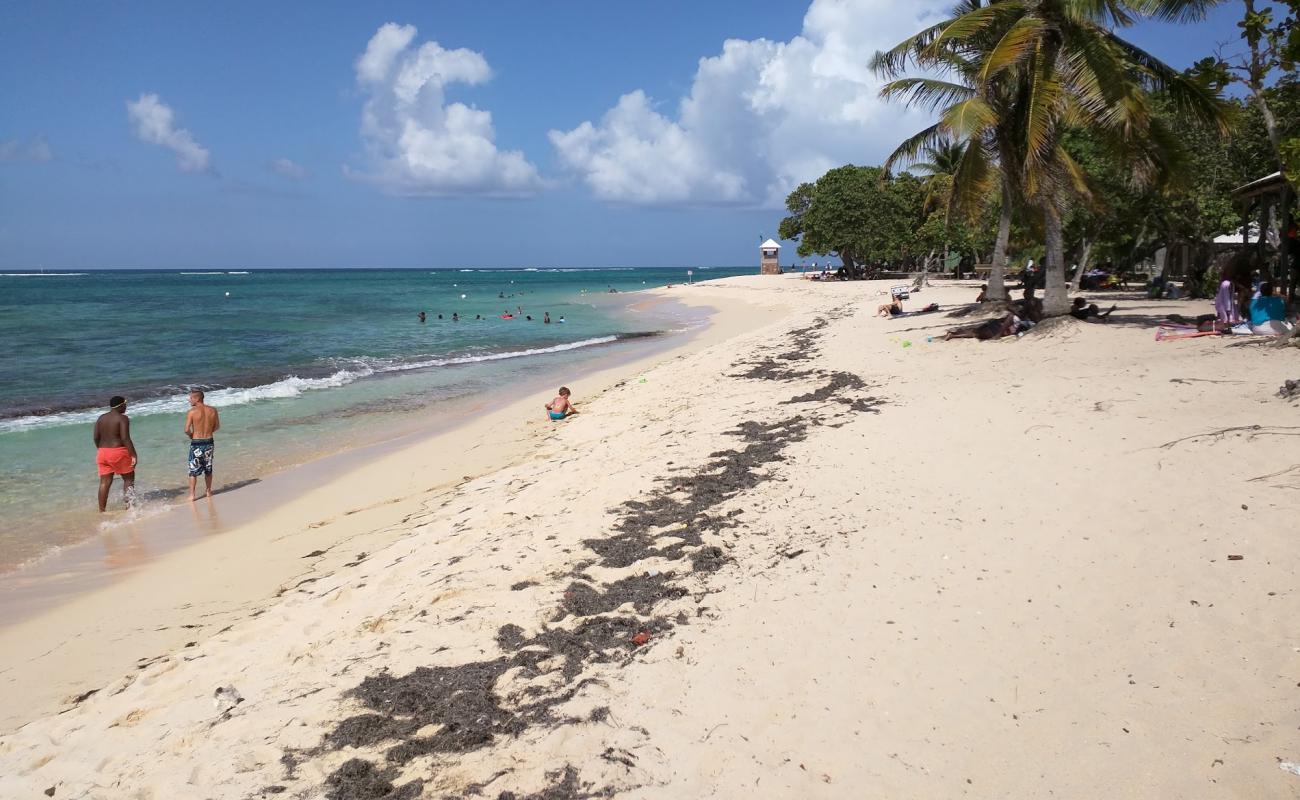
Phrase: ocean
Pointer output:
(300, 363)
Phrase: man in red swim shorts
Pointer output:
(116, 453)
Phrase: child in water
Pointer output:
(560, 407)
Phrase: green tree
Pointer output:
(1272, 47)
(1031, 70)
(856, 214)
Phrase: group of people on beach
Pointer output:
(1022, 315)
(115, 454)
(1241, 288)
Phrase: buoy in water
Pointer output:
(227, 294)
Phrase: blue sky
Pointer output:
(439, 134)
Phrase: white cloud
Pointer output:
(416, 142)
(15, 150)
(155, 123)
(289, 169)
(761, 116)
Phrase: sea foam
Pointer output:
(285, 388)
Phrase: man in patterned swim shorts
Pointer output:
(201, 423)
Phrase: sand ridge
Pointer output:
(832, 557)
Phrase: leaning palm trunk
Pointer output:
(1083, 265)
(1056, 296)
(997, 286)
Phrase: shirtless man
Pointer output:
(200, 423)
(116, 451)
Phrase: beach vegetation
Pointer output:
(857, 214)
(1017, 77)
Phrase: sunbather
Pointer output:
(1085, 311)
(994, 328)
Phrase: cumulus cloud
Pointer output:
(760, 117)
(155, 123)
(289, 169)
(416, 142)
(15, 150)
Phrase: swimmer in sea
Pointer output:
(115, 452)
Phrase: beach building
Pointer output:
(770, 262)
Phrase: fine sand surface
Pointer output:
(821, 558)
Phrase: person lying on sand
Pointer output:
(930, 309)
(561, 407)
(994, 328)
(1082, 311)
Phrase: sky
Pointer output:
(441, 134)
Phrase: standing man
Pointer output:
(200, 423)
(116, 451)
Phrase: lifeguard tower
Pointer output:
(770, 264)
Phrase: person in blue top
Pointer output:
(1268, 313)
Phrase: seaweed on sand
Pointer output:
(563, 785)
(458, 708)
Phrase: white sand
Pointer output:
(992, 582)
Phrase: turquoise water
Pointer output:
(299, 362)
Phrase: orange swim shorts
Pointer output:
(114, 461)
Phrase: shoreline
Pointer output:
(828, 556)
(162, 595)
(126, 541)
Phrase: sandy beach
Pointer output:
(808, 553)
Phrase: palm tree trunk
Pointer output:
(997, 288)
(1083, 265)
(1056, 296)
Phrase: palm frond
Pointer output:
(1015, 46)
(907, 152)
(969, 118)
(1041, 110)
(1190, 96)
(972, 183)
(892, 62)
(977, 21)
(927, 93)
(1175, 10)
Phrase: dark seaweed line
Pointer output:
(461, 701)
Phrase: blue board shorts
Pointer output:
(557, 414)
(201, 457)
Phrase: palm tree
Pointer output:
(987, 158)
(1027, 71)
(942, 160)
